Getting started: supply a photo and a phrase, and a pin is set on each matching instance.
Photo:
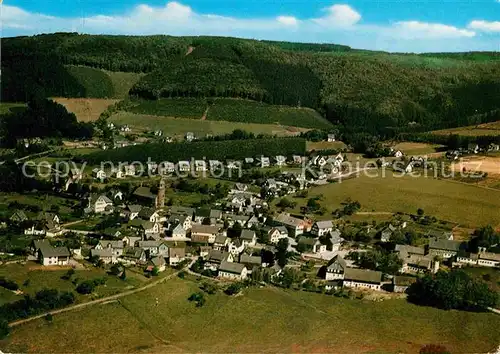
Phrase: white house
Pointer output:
(105, 255)
(100, 204)
(176, 255)
(248, 237)
(362, 278)
(50, 256)
(488, 259)
(336, 268)
(179, 233)
(321, 228)
(204, 233)
(263, 162)
(233, 271)
(116, 247)
(97, 173)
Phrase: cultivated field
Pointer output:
(325, 145)
(179, 127)
(492, 128)
(490, 165)
(86, 109)
(261, 320)
(123, 82)
(464, 204)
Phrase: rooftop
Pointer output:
(231, 267)
(363, 275)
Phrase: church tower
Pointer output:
(160, 198)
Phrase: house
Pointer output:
(215, 214)
(362, 278)
(189, 136)
(401, 283)
(240, 187)
(444, 248)
(145, 228)
(180, 210)
(312, 244)
(18, 217)
(159, 263)
(330, 138)
(277, 233)
(488, 259)
(117, 173)
(236, 247)
(104, 255)
(335, 268)
(321, 228)
(116, 247)
(166, 168)
(149, 214)
(406, 251)
(398, 153)
(116, 194)
(221, 242)
(179, 233)
(248, 237)
(467, 258)
(253, 221)
(100, 204)
(216, 257)
(263, 162)
(132, 211)
(97, 173)
(444, 235)
(200, 166)
(154, 247)
(419, 264)
(233, 271)
(473, 148)
(48, 217)
(493, 147)
(319, 160)
(280, 160)
(183, 220)
(387, 232)
(134, 255)
(49, 256)
(129, 170)
(204, 233)
(335, 241)
(205, 251)
(130, 241)
(176, 255)
(250, 261)
(294, 225)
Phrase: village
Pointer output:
(242, 235)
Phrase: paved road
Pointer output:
(99, 301)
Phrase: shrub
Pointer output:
(86, 287)
(8, 284)
(198, 298)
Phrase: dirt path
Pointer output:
(204, 116)
(374, 213)
(96, 302)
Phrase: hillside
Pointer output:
(370, 91)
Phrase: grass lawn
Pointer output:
(178, 127)
(44, 201)
(86, 109)
(51, 279)
(410, 149)
(492, 128)
(463, 204)
(261, 320)
(123, 82)
(8, 107)
(325, 145)
(489, 275)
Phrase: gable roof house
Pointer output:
(149, 214)
(221, 242)
(444, 248)
(312, 244)
(37, 244)
(131, 211)
(233, 271)
(145, 228)
(277, 233)
(321, 228)
(387, 232)
(335, 268)
(106, 255)
(134, 255)
(49, 256)
(116, 247)
(236, 247)
(362, 278)
(154, 247)
(145, 195)
(250, 261)
(179, 233)
(130, 241)
(401, 283)
(100, 204)
(176, 255)
(294, 225)
(216, 257)
(159, 263)
(263, 161)
(97, 173)
(204, 233)
(248, 237)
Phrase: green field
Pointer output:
(175, 108)
(265, 320)
(123, 82)
(51, 279)
(463, 204)
(6, 107)
(177, 127)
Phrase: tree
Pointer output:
(155, 271)
(85, 287)
(420, 212)
(209, 288)
(4, 328)
(234, 288)
(197, 298)
(282, 252)
(286, 203)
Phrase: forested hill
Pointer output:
(363, 90)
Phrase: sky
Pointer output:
(389, 25)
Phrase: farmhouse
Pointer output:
(295, 226)
(361, 278)
(336, 268)
(98, 174)
(216, 257)
(233, 271)
(100, 204)
(176, 255)
(105, 255)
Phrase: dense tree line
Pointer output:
(452, 290)
(43, 118)
(377, 93)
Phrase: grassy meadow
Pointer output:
(492, 128)
(261, 320)
(178, 126)
(467, 205)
